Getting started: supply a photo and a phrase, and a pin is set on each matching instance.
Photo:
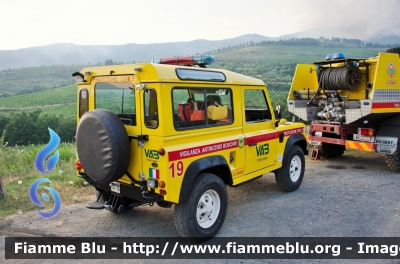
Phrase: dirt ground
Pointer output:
(354, 196)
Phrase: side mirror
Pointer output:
(278, 115)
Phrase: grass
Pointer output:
(18, 173)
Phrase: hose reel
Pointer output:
(340, 78)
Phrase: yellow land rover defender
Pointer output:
(174, 132)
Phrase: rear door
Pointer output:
(151, 142)
(120, 97)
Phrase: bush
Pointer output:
(24, 128)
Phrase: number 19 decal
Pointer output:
(178, 168)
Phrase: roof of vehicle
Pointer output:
(151, 72)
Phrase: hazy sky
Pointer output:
(28, 23)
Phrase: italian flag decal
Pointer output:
(154, 173)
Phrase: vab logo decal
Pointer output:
(391, 69)
(35, 199)
(50, 164)
(151, 154)
(262, 149)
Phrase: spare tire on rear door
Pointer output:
(103, 146)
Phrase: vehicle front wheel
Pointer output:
(202, 215)
(290, 175)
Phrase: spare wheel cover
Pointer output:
(103, 146)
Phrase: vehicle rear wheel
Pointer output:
(290, 175)
(332, 150)
(202, 215)
(393, 161)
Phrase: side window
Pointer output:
(201, 107)
(256, 106)
(150, 108)
(119, 98)
(83, 102)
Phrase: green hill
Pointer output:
(60, 101)
(36, 79)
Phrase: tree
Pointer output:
(109, 62)
(44, 122)
(4, 120)
(21, 128)
(66, 128)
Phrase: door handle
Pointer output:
(252, 144)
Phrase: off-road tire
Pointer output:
(332, 150)
(393, 161)
(188, 217)
(103, 146)
(290, 176)
(394, 50)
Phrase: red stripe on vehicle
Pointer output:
(386, 105)
(205, 149)
(274, 135)
(200, 150)
(260, 138)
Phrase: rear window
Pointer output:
(119, 98)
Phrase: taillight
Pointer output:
(161, 151)
(161, 184)
(78, 165)
(366, 132)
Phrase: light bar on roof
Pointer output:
(186, 60)
(339, 55)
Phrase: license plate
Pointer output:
(314, 143)
(363, 138)
(115, 187)
(386, 145)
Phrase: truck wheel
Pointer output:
(393, 161)
(291, 174)
(394, 50)
(202, 215)
(332, 150)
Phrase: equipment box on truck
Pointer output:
(351, 103)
